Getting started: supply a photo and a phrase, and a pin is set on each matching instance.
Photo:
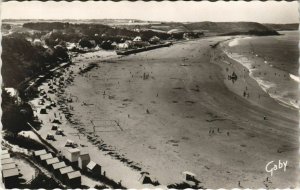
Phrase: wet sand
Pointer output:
(173, 109)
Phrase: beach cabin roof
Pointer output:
(9, 166)
(55, 120)
(52, 161)
(4, 151)
(74, 174)
(91, 165)
(84, 156)
(59, 165)
(39, 152)
(65, 170)
(7, 161)
(46, 156)
(73, 150)
(10, 173)
(3, 156)
(189, 173)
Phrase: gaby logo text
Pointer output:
(273, 166)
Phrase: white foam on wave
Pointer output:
(234, 42)
(264, 84)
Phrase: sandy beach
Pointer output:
(175, 106)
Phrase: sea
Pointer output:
(272, 61)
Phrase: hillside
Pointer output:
(281, 27)
(210, 28)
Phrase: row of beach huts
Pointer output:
(68, 168)
(10, 170)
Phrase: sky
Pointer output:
(180, 11)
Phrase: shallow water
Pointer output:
(273, 62)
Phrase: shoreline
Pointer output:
(267, 86)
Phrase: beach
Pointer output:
(176, 106)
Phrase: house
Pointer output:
(74, 179)
(137, 39)
(4, 156)
(51, 161)
(7, 161)
(39, 152)
(154, 40)
(83, 160)
(72, 154)
(93, 168)
(64, 171)
(9, 166)
(122, 46)
(56, 166)
(10, 178)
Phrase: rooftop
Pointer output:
(66, 170)
(46, 156)
(74, 174)
(4, 151)
(59, 165)
(40, 152)
(7, 161)
(52, 161)
(10, 172)
(73, 150)
(3, 156)
(91, 165)
(84, 156)
(9, 166)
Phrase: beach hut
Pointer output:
(7, 161)
(9, 166)
(10, 178)
(45, 157)
(59, 132)
(189, 176)
(72, 154)
(64, 171)
(4, 156)
(83, 160)
(69, 143)
(74, 179)
(56, 121)
(4, 151)
(145, 178)
(56, 166)
(54, 127)
(50, 136)
(43, 111)
(51, 161)
(39, 152)
(93, 168)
